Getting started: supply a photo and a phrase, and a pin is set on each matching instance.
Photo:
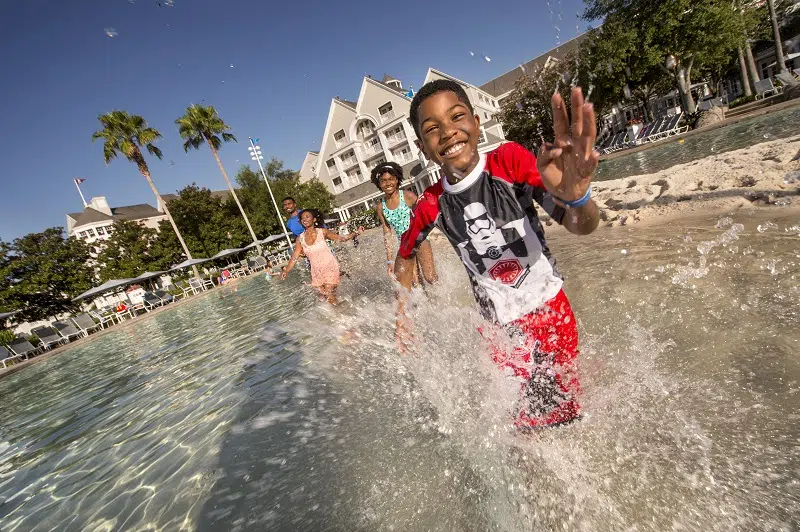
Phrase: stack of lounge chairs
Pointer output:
(659, 129)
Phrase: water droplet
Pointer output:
(487, 58)
(231, 65)
(472, 54)
(111, 32)
(766, 227)
(624, 251)
(172, 163)
(766, 135)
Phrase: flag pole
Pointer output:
(78, 186)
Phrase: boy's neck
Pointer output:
(453, 179)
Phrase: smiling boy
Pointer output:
(484, 205)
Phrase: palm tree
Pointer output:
(127, 134)
(777, 36)
(202, 123)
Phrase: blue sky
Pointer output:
(289, 59)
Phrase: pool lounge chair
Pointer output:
(187, 288)
(245, 267)
(85, 323)
(7, 356)
(257, 263)
(47, 336)
(200, 285)
(67, 330)
(23, 348)
(151, 301)
(105, 316)
(765, 87)
(164, 296)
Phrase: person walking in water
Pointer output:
(324, 266)
(394, 214)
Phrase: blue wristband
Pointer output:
(580, 202)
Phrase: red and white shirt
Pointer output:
(490, 219)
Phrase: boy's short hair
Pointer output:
(435, 87)
(391, 168)
(288, 198)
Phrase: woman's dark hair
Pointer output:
(318, 221)
(391, 168)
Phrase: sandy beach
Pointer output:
(756, 177)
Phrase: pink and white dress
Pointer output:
(324, 266)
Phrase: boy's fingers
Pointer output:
(560, 119)
(589, 127)
(576, 102)
(548, 152)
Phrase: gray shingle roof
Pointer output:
(504, 83)
(357, 192)
(351, 105)
(89, 216)
(135, 212)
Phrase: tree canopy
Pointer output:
(41, 273)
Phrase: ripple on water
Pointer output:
(258, 409)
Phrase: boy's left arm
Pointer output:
(566, 167)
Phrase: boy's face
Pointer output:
(449, 133)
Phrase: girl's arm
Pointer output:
(338, 238)
(298, 249)
(410, 197)
(387, 239)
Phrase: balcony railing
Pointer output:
(333, 171)
(371, 150)
(403, 157)
(340, 143)
(394, 139)
(387, 117)
(347, 162)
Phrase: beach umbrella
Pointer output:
(5, 315)
(230, 251)
(149, 275)
(271, 238)
(188, 263)
(108, 286)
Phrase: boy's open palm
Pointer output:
(568, 164)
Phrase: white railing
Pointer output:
(394, 139)
(387, 117)
(340, 142)
(372, 149)
(338, 188)
(333, 171)
(403, 157)
(349, 161)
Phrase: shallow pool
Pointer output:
(255, 408)
(778, 125)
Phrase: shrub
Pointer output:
(741, 101)
(7, 336)
(367, 219)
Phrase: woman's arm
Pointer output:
(330, 235)
(298, 249)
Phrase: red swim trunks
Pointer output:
(545, 347)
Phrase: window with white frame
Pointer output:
(331, 164)
(482, 137)
(385, 108)
(339, 137)
(337, 182)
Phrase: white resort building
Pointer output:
(375, 129)
(96, 221)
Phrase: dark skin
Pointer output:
(449, 134)
(290, 207)
(391, 188)
(328, 291)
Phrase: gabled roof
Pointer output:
(136, 212)
(89, 216)
(505, 82)
(387, 77)
(351, 105)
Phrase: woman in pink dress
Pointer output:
(324, 266)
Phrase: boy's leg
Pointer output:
(544, 362)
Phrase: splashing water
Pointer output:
(260, 409)
(110, 32)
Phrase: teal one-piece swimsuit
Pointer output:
(398, 219)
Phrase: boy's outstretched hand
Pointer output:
(567, 165)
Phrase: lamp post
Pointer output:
(255, 154)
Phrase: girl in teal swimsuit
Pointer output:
(394, 213)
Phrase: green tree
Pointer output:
(42, 272)
(284, 182)
(208, 224)
(688, 35)
(202, 124)
(128, 134)
(127, 253)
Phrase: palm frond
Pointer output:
(214, 141)
(109, 152)
(128, 148)
(154, 150)
(228, 137)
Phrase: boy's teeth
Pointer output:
(454, 148)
